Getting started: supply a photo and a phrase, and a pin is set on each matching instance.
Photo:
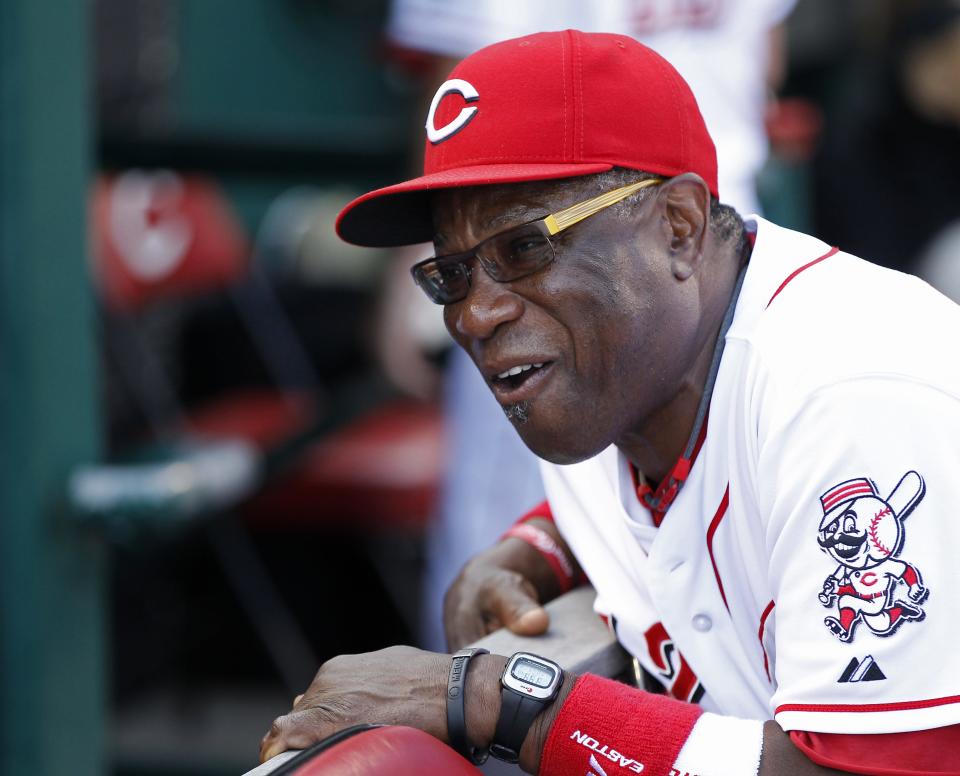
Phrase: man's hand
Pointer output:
(502, 587)
(398, 685)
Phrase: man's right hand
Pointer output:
(503, 587)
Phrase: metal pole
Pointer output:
(52, 573)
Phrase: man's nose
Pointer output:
(488, 304)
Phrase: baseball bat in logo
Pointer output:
(453, 86)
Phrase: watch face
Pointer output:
(532, 676)
(536, 674)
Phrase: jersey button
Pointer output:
(702, 623)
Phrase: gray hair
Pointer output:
(725, 221)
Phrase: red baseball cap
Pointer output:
(544, 106)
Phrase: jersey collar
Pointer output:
(659, 499)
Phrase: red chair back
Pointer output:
(159, 234)
(394, 750)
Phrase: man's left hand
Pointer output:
(395, 686)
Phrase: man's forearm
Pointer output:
(779, 756)
(591, 718)
(483, 709)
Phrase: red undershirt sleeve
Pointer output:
(541, 510)
(933, 752)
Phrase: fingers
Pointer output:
(397, 685)
(532, 623)
(493, 599)
(500, 599)
(296, 730)
(517, 607)
(501, 586)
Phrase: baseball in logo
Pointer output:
(864, 534)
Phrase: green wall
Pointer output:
(51, 572)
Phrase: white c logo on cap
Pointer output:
(458, 86)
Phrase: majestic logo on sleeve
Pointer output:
(864, 534)
(865, 670)
(453, 86)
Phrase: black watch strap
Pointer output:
(529, 684)
(456, 714)
(517, 713)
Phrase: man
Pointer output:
(748, 445)
(732, 56)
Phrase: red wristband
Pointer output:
(545, 544)
(604, 722)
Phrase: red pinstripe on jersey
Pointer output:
(869, 707)
(797, 271)
(763, 624)
(711, 531)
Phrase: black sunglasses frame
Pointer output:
(548, 227)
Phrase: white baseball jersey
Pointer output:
(720, 48)
(805, 570)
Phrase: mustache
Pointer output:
(843, 538)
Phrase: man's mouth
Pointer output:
(520, 382)
(516, 375)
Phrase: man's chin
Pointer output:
(549, 445)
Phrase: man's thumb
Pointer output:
(532, 622)
(520, 612)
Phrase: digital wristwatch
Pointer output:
(529, 683)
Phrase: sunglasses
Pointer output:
(511, 254)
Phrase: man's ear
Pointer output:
(687, 210)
